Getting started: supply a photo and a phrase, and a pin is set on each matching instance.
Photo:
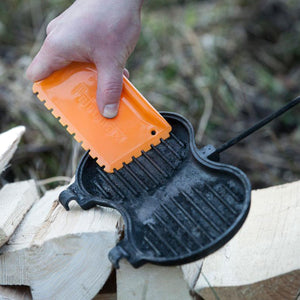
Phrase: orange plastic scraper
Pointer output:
(70, 94)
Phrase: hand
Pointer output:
(104, 32)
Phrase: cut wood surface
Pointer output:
(9, 141)
(151, 282)
(267, 245)
(284, 287)
(60, 254)
(15, 200)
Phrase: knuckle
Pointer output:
(112, 90)
(52, 42)
(51, 25)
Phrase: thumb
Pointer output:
(45, 62)
(109, 88)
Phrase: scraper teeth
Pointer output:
(47, 105)
(84, 144)
(93, 154)
(71, 129)
(55, 113)
(61, 119)
(77, 139)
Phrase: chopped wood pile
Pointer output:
(49, 253)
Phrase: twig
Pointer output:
(33, 176)
(43, 182)
(211, 287)
(233, 82)
(208, 105)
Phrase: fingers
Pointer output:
(126, 73)
(109, 88)
(51, 25)
(46, 62)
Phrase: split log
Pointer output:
(267, 245)
(63, 254)
(9, 141)
(284, 287)
(151, 282)
(23, 293)
(15, 200)
(60, 254)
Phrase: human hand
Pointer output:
(104, 32)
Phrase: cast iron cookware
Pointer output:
(178, 203)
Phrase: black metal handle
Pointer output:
(257, 126)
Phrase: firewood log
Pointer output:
(15, 200)
(63, 255)
(60, 254)
(268, 245)
(9, 141)
(151, 282)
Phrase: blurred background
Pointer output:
(222, 64)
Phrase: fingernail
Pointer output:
(110, 110)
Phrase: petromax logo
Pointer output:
(89, 105)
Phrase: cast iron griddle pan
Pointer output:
(178, 206)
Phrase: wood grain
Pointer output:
(284, 287)
(60, 254)
(268, 244)
(151, 282)
(15, 200)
